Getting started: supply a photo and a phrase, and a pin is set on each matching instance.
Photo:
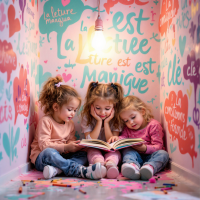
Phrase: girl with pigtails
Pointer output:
(100, 121)
(54, 149)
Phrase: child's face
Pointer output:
(67, 111)
(103, 108)
(133, 119)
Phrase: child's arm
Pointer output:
(156, 138)
(125, 133)
(89, 132)
(72, 143)
(108, 132)
(95, 133)
(72, 146)
(72, 136)
(44, 137)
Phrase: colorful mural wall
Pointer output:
(180, 81)
(19, 58)
(151, 49)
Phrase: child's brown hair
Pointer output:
(111, 92)
(134, 103)
(51, 94)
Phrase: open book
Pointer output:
(120, 144)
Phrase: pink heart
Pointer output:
(25, 120)
(115, 68)
(65, 2)
(66, 77)
(107, 19)
(45, 61)
(36, 32)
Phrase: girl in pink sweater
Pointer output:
(55, 149)
(145, 160)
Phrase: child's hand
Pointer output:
(113, 139)
(110, 116)
(94, 114)
(73, 146)
(141, 148)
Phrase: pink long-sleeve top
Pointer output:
(152, 134)
(50, 134)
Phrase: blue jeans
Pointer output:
(157, 159)
(69, 163)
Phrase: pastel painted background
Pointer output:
(152, 49)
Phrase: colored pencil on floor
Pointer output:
(20, 189)
(82, 191)
(61, 185)
(166, 188)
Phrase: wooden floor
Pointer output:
(116, 189)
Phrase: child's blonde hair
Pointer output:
(135, 103)
(111, 92)
(61, 95)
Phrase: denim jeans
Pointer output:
(157, 159)
(69, 163)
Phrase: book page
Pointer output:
(125, 142)
(95, 142)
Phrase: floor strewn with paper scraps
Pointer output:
(35, 187)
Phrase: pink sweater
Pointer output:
(152, 134)
(50, 134)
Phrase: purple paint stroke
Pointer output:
(192, 30)
(191, 71)
(162, 80)
(22, 4)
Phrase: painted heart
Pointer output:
(182, 83)
(59, 67)
(172, 148)
(182, 43)
(65, 2)
(14, 24)
(25, 120)
(66, 77)
(115, 68)
(36, 32)
(189, 92)
(189, 119)
(173, 41)
(88, 17)
(45, 61)
(151, 24)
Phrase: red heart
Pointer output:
(13, 1)
(14, 24)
